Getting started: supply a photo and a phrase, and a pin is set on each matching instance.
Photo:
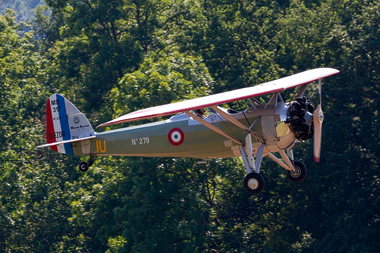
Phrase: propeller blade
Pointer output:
(318, 120)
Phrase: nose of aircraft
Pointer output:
(300, 118)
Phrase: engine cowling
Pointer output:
(300, 118)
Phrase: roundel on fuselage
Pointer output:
(176, 136)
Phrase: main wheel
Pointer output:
(254, 183)
(83, 166)
(300, 173)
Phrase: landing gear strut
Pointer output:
(83, 166)
(295, 170)
(253, 182)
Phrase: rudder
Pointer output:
(65, 122)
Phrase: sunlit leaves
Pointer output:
(172, 78)
(114, 57)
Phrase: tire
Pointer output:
(300, 173)
(254, 183)
(83, 166)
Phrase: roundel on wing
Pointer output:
(176, 136)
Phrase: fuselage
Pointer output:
(182, 136)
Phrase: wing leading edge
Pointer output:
(226, 97)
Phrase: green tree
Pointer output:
(136, 54)
(24, 9)
(168, 79)
(234, 39)
(101, 41)
(34, 209)
(22, 70)
(339, 195)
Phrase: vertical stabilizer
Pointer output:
(65, 122)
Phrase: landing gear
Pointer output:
(299, 173)
(83, 166)
(295, 170)
(254, 183)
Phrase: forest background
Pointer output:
(113, 57)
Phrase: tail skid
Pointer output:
(65, 124)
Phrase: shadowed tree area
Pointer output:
(113, 57)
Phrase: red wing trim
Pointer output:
(226, 97)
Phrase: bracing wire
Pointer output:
(228, 127)
(245, 116)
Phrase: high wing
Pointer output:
(226, 97)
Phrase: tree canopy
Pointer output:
(113, 57)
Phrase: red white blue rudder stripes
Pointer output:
(65, 122)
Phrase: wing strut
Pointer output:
(229, 118)
(212, 127)
(238, 123)
(302, 90)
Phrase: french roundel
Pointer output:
(176, 136)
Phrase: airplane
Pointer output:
(259, 131)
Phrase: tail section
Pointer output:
(65, 124)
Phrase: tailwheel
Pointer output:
(254, 183)
(299, 174)
(83, 166)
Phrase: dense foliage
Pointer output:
(24, 8)
(113, 57)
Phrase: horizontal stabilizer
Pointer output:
(64, 142)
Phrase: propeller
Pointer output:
(318, 120)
